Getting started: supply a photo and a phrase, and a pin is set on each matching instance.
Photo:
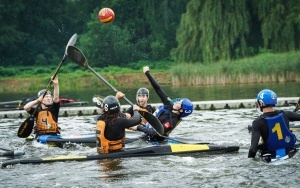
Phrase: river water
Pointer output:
(224, 127)
(196, 93)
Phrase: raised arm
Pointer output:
(159, 91)
(55, 90)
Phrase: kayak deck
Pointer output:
(157, 150)
(88, 139)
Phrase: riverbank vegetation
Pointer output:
(264, 68)
(72, 76)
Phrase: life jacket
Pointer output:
(45, 123)
(167, 124)
(104, 145)
(280, 137)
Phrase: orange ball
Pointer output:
(106, 15)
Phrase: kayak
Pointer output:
(148, 151)
(88, 139)
(6, 153)
(280, 154)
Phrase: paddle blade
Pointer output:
(26, 127)
(154, 122)
(77, 56)
(71, 42)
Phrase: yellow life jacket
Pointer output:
(45, 123)
(104, 145)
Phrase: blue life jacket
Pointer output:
(160, 110)
(157, 113)
(280, 137)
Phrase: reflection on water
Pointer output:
(111, 168)
(200, 93)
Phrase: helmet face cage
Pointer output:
(42, 92)
(111, 105)
(142, 91)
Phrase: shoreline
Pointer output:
(198, 105)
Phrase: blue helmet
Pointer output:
(268, 97)
(186, 106)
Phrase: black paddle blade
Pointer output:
(77, 56)
(154, 122)
(26, 127)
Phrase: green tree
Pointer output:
(142, 30)
(280, 24)
(11, 34)
(213, 30)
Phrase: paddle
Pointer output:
(6, 149)
(297, 105)
(97, 100)
(78, 57)
(26, 127)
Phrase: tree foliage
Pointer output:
(36, 32)
(216, 30)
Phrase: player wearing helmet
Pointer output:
(169, 114)
(142, 97)
(111, 125)
(47, 113)
(273, 127)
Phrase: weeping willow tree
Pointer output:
(280, 23)
(163, 19)
(212, 30)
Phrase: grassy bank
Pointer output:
(264, 68)
(71, 76)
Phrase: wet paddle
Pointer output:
(78, 57)
(297, 105)
(26, 127)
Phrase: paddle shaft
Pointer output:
(78, 57)
(71, 42)
(26, 127)
(5, 149)
(112, 87)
